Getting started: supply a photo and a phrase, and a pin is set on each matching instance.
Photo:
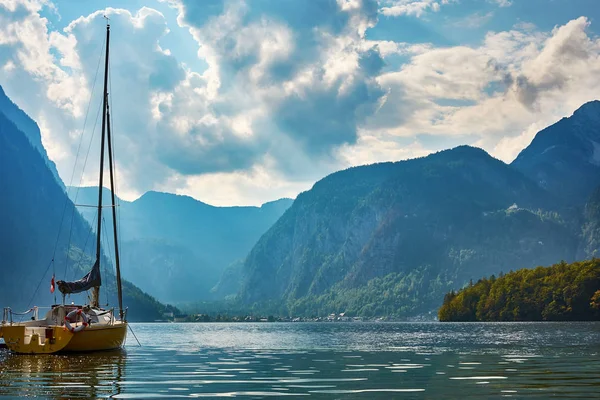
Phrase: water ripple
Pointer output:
(375, 361)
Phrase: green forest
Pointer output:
(396, 295)
(562, 292)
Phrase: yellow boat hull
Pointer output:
(53, 339)
(27, 340)
(98, 338)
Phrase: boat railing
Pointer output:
(112, 316)
(7, 317)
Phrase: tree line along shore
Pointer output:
(561, 292)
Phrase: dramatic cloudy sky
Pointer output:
(242, 102)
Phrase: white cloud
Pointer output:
(372, 148)
(417, 8)
(514, 83)
(301, 85)
(28, 47)
(252, 187)
(61, 67)
(502, 3)
(171, 122)
(509, 147)
(475, 20)
(9, 66)
(285, 99)
(525, 26)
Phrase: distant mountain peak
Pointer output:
(29, 128)
(465, 150)
(589, 111)
(22, 121)
(153, 195)
(283, 199)
(468, 148)
(463, 153)
(564, 158)
(594, 104)
(158, 196)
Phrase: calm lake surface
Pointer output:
(324, 360)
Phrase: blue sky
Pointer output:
(242, 102)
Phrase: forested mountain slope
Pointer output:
(562, 292)
(564, 158)
(392, 238)
(29, 128)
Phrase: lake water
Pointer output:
(324, 360)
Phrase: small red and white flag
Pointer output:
(52, 285)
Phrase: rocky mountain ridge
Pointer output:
(564, 158)
(392, 238)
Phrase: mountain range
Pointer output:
(387, 239)
(392, 238)
(176, 247)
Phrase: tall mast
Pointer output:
(114, 213)
(96, 289)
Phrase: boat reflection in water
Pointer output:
(88, 375)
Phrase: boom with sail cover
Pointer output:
(90, 280)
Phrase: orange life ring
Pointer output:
(74, 314)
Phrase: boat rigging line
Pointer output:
(85, 245)
(86, 155)
(77, 194)
(136, 339)
(51, 263)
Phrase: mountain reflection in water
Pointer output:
(345, 360)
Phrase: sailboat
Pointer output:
(71, 327)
